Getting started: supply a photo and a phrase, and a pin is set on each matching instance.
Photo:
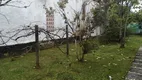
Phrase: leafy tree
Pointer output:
(125, 11)
(115, 19)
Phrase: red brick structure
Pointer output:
(50, 20)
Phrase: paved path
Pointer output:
(135, 72)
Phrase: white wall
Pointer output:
(35, 14)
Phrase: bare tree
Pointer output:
(82, 28)
(30, 30)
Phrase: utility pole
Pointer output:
(37, 47)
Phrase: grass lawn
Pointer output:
(109, 60)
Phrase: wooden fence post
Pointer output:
(37, 47)
(67, 40)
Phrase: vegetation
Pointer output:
(82, 24)
(109, 60)
(115, 19)
(101, 61)
(85, 47)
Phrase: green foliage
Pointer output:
(89, 45)
(85, 47)
(111, 35)
(130, 31)
(98, 17)
(135, 17)
(116, 19)
(111, 32)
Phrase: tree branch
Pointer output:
(3, 4)
(20, 6)
(5, 17)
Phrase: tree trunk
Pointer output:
(125, 29)
(122, 42)
(122, 37)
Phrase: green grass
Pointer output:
(109, 60)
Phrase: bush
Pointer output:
(89, 45)
(85, 47)
(111, 34)
(130, 32)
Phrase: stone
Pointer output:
(136, 70)
(137, 65)
(138, 57)
(133, 76)
(138, 60)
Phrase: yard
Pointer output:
(109, 60)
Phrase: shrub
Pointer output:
(86, 46)
(111, 34)
(89, 45)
